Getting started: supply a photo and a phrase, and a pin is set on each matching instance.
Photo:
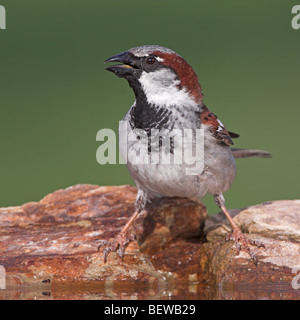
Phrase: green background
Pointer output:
(55, 94)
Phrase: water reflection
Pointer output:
(154, 292)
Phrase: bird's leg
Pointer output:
(123, 237)
(241, 242)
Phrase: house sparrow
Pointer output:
(168, 97)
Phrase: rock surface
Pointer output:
(56, 241)
(277, 225)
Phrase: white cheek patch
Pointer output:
(161, 88)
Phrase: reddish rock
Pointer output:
(55, 241)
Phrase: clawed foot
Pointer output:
(241, 243)
(118, 244)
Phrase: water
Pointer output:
(96, 291)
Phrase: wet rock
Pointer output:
(55, 241)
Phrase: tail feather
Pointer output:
(250, 153)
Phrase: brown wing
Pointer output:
(216, 127)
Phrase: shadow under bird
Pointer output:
(169, 97)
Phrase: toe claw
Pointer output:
(256, 243)
(241, 243)
(238, 247)
(253, 257)
(117, 245)
(228, 237)
(130, 237)
(102, 243)
(121, 252)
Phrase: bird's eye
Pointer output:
(150, 60)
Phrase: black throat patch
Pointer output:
(147, 117)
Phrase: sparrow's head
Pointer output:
(159, 75)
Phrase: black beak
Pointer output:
(122, 70)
